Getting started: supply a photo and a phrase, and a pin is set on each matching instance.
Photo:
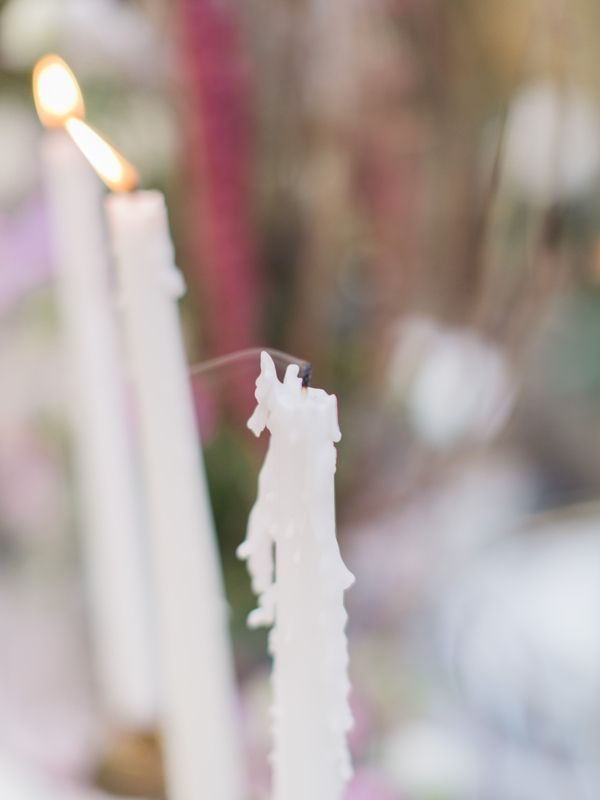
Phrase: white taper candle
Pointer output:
(196, 667)
(300, 578)
(113, 547)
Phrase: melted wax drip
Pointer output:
(291, 531)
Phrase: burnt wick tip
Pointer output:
(306, 374)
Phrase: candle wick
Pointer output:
(306, 374)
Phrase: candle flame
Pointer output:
(59, 103)
(56, 92)
(116, 172)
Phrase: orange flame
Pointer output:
(59, 103)
(56, 92)
(116, 172)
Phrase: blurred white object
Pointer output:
(95, 36)
(521, 634)
(402, 555)
(552, 144)
(28, 29)
(462, 390)
(19, 783)
(424, 760)
(109, 37)
(18, 135)
(413, 339)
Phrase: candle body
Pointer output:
(196, 666)
(113, 546)
(298, 573)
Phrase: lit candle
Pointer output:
(112, 542)
(300, 578)
(198, 699)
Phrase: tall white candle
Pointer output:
(197, 675)
(112, 529)
(300, 578)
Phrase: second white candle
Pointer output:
(200, 735)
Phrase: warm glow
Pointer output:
(116, 172)
(56, 92)
(59, 104)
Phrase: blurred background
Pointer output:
(407, 194)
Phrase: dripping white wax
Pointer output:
(300, 579)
